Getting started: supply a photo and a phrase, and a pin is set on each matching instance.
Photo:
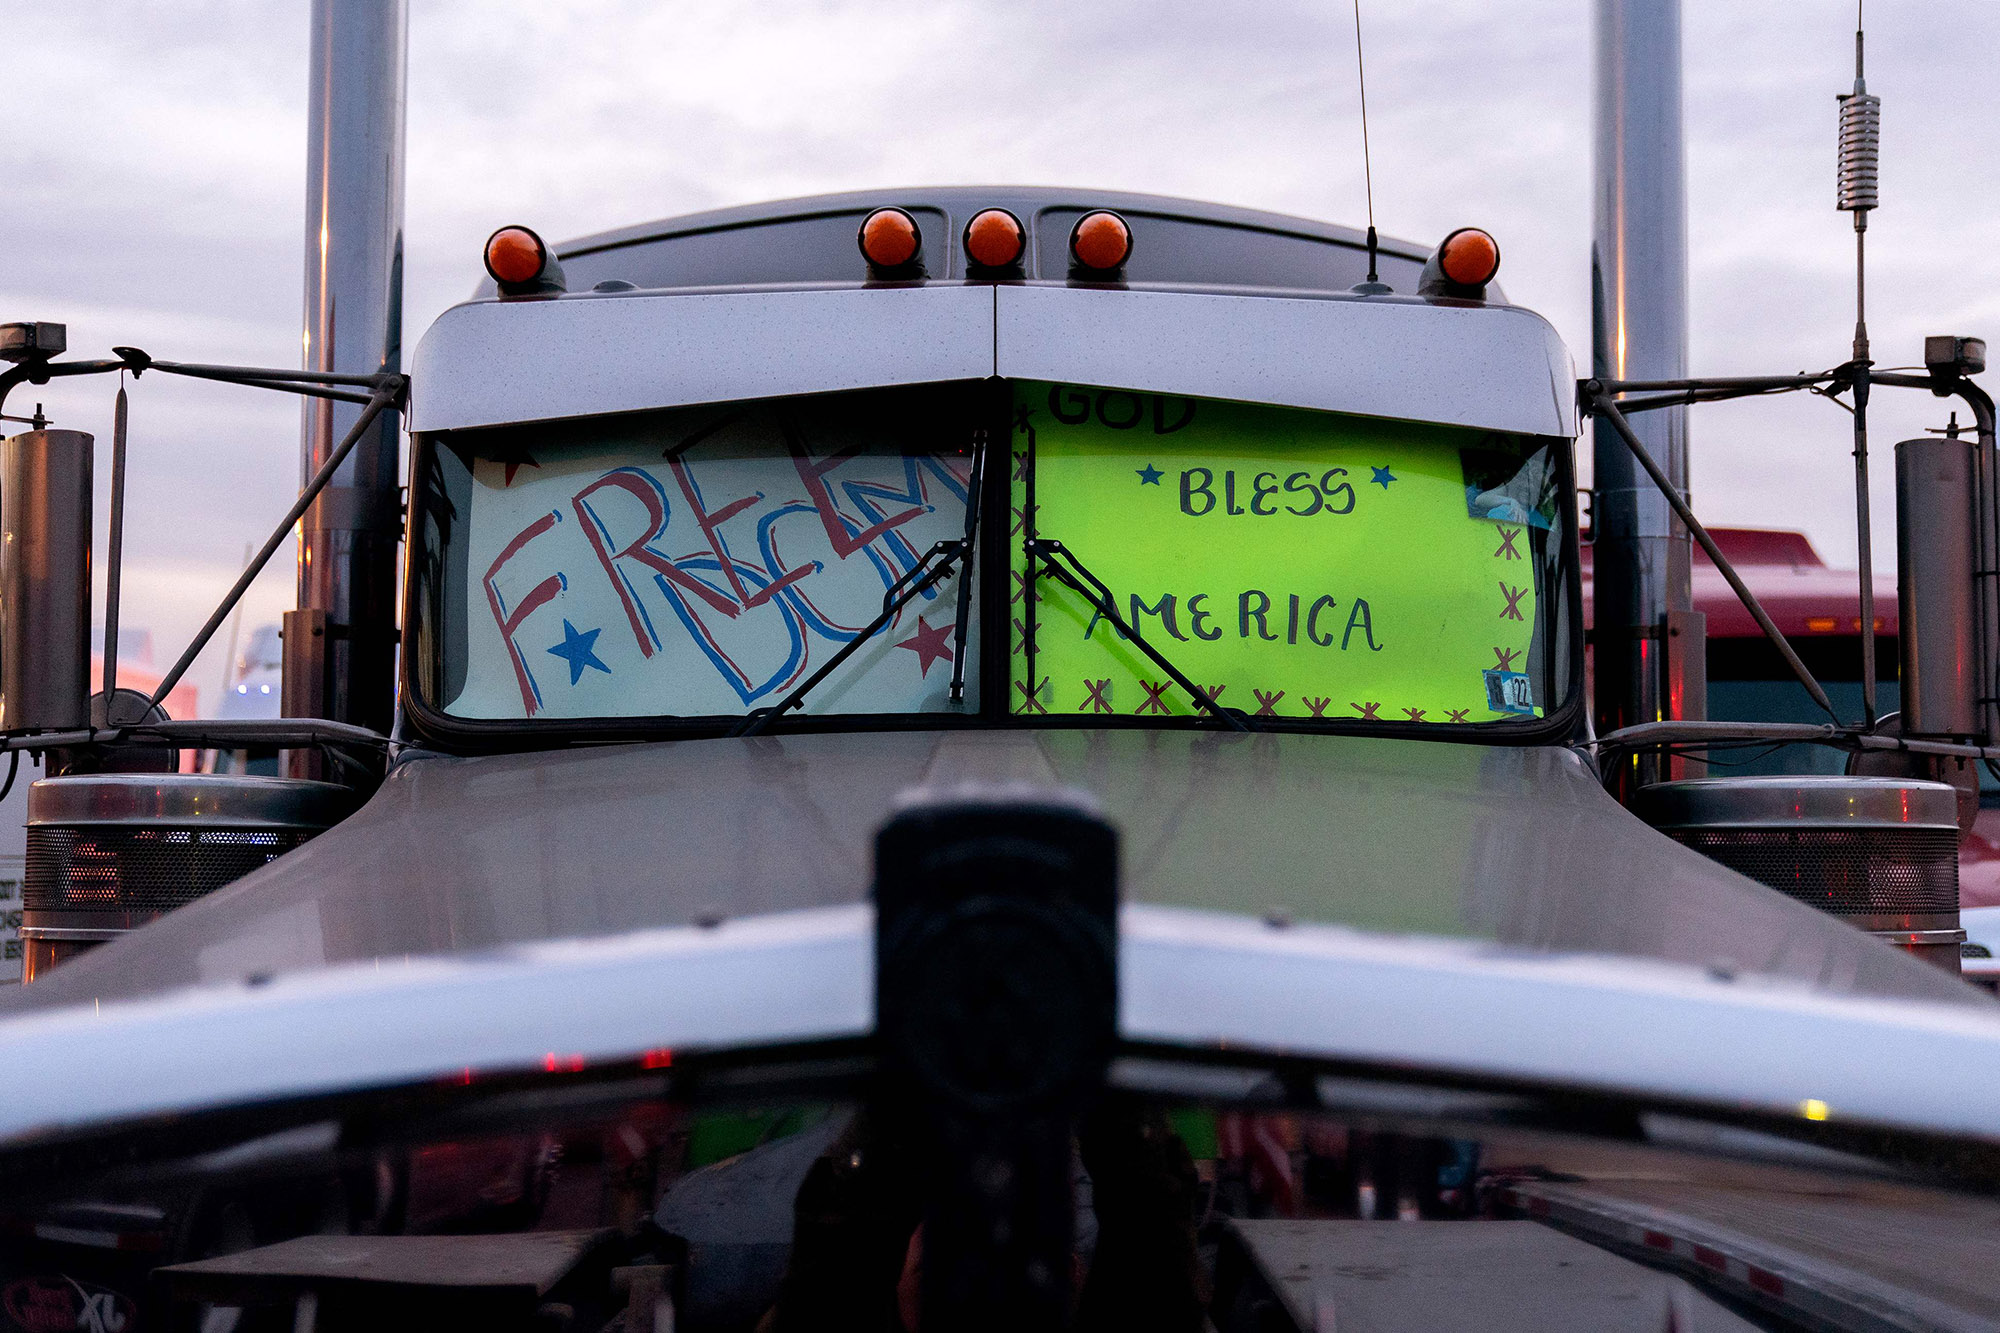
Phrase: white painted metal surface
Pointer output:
(1196, 979)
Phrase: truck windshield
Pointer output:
(698, 561)
(1287, 563)
(709, 562)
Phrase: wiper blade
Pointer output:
(1063, 566)
(933, 569)
(974, 484)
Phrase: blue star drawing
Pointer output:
(580, 651)
(1150, 475)
(1382, 477)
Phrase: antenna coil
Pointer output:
(1860, 150)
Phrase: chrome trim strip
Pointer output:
(1920, 936)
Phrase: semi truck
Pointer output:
(1256, 923)
(1256, 751)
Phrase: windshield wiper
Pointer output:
(974, 484)
(1076, 575)
(935, 567)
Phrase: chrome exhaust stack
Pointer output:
(340, 645)
(1650, 642)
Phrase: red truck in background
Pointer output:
(1818, 609)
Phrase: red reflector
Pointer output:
(995, 239)
(1101, 241)
(889, 238)
(1469, 257)
(515, 255)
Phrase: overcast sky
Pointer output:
(152, 183)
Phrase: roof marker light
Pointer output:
(890, 239)
(515, 257)
(1469, 257)
(1101, 242)
(994, 239)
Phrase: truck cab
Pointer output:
(755, 557)
(723, 532)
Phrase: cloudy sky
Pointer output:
(152, 186)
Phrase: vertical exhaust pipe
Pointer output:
(1650, 645)
(340, 644)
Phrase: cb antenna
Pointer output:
(1374, 286)
(1860, 161)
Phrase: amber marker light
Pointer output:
(995, 238)
(1469, 257)
(889, 238)
(1100, 242)
(515, 256)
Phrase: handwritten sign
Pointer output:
(704, 562)
(1293, 564)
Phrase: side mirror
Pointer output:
(45, 512)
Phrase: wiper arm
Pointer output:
(975, 484)
(1072, 571)
(933, 569)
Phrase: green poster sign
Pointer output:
(1292, 563)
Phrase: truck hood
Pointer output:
(1516, 846)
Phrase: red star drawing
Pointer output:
(928, 644)
(512, 468)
